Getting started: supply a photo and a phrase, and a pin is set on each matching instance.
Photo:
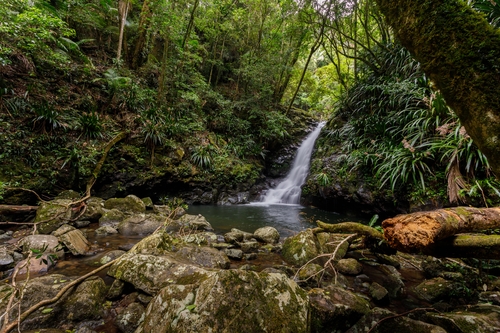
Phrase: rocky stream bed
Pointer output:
(167, 271)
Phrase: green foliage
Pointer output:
(91, 125)
(46, 118)
(202, 156)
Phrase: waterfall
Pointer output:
(289, 190)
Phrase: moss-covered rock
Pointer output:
(141, 224)
(129, 204)
(349, 266)
(86, 302)
(434, 289)
(111, 218)
(267, 235)
(230, 301)
(299, 249)
(51, 215)
(203, 256)
(481, 318)
(130, 318)
(335, 309)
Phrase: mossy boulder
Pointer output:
(158, 243)
(335, 309)
(299, 249)
(130, 204)
(130, 318)
(203, 256)
(141, 224)
(151, 273)
(111, 218)
(434, 289)
(481, 318)
(349, 266)
(330, 243)
(230, 301)
(86, 302)
(195, 222)
(95, 209)
(267, 235)
(51, 215)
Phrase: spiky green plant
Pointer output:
(91, 125)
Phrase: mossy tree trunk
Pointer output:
(420, 231)
(460, 52)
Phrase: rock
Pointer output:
(230, 301)
(6, 259)
(150, 273)
(38, 264)
(111, 218)
(378, 293)
(128, 320)
(141, 224)
(94, 210)
(492, 297)
(391, 280)
(335, 309)
(86, 301)
(250, 256)
(106, 230)
(203, 256)
(157, 244)
(130, 204)
(69, 194)
(397, 324)
(204, 238)
(111, 255)
(310, 274)
(349, 266)
(221, 246)
(53, 214)
(481, 318)
(388, 260)
(195, 222)
(116, 289)
(249, 247)
(330, 243)
(62, 230)
(148, 202)
(81, 224)
(434, 289)
(233, 253)
(75, 241)
(299, 249)
(47, 244)
(233, 237)
(267, 235)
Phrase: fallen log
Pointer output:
(466, 246)
(15, 209)
(417, 232)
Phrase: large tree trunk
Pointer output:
(460, 52)
(418, 232)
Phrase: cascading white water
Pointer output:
(289, 190)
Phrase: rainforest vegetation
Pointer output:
(208, 91)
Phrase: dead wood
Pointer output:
(467, 246)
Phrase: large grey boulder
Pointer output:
(230, 301)
(150, 273)
(203, 256)
(141, 224)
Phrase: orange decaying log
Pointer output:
(419, 231)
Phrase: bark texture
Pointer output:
(460, 52)
(467, 246)
(418, 232)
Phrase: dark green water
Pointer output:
(287, 219)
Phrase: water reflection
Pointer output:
(286, 218)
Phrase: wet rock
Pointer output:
(94, 210)
(482, 318)
(86, 301)
(116, 289)
(492, 297)
(75, 241)
(106, 230)
(396, 324)
(150, 273)
(271, 303)
(195, 222)
(233, 253)
(140, 224)
(267, 235)
(299, 249)
(378, 293)
(391, 280)
(310, 274)
(130, 318)
(434, 289)
(349, 266)
(330, 243)
(130, 204)
(51, 215)
(111, 218)
(203, 257)
(6, 259)
(47, 244)
(111, 255)
(249, 247)
(335, 309)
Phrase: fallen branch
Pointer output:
(351, 227)
(16, 209)
(9, 326)
(419, 231)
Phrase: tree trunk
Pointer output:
(418, 232)
(467, 246)
(460, 52)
